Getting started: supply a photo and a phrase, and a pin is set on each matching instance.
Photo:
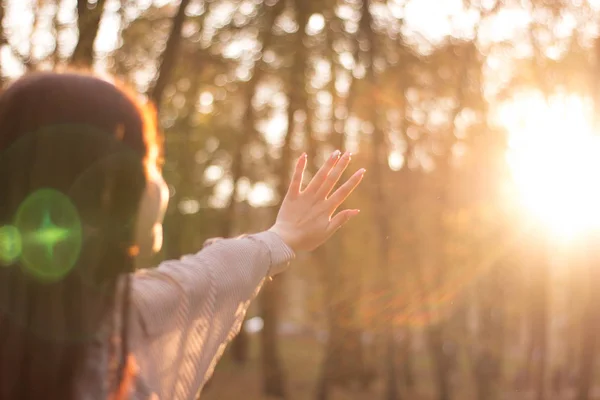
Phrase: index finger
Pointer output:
(296, 182)
(338, 197)
(323, 172)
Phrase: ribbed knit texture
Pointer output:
(186, 311)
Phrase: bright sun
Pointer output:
(554, 156)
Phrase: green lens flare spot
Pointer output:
(50, 234)
(10, 245)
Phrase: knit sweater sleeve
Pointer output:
(189, 309)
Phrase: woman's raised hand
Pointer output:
(305, 218)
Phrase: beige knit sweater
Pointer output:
(186, 311)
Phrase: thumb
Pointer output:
(340, 219)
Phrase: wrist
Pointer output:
(284, 236)
(280, 253)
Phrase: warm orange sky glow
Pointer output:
(554, 158)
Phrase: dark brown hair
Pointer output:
(95, 143)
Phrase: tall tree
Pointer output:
(273, 380)
(442, 345)
(378, 163)
(343, 363)
(169, 56)
(89, 15)
(591, 321)
(267, 17)
(3, 39)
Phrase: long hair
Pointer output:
(75, 153)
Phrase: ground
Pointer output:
(301, 358)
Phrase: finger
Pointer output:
(345, 190)
(322, 173)
(334, 176)
(296, 182)
(340, 219)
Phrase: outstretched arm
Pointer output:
(189, 309)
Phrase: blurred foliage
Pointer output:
(411, 86)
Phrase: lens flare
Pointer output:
(51, 234)
(10, 245)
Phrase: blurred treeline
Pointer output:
(440, 289)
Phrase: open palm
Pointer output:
(305, 220)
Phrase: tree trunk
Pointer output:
(540, 323)
(590, 323)
(3, 39)
(589, 326)
(88, 23)
(439, 341)
(175, 222)
(488, 362)
(273, 377)
(441, 362)
(591, 318)
(442, 344)
(273, 373)
(169, 56)
(343, 364)
(239, 344)
(56, 31)
(407, 368)
(385, 327)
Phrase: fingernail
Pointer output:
(304, 155)
(335, 154)
(354, 213)
(362, 171)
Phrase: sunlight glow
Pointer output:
(554, 156)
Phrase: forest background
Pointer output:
(470, 273)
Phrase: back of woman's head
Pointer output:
(74, 157)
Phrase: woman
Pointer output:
(81, 196)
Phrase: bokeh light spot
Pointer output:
(316, 23)
(10, 245)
